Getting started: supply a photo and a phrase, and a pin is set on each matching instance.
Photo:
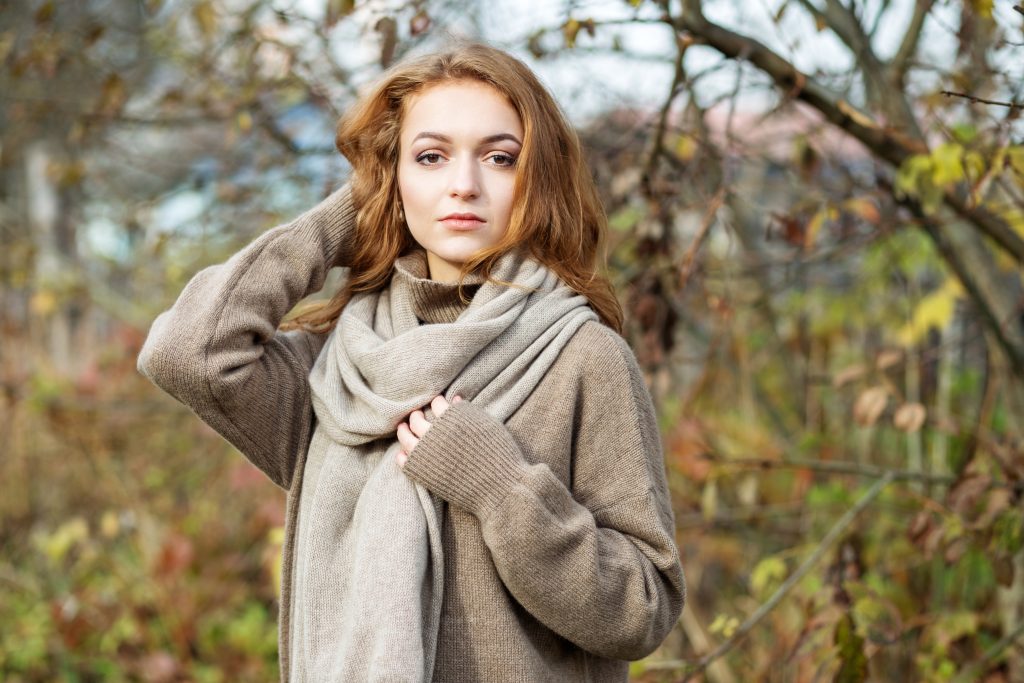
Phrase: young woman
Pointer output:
(476, 485)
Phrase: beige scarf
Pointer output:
(369, 572)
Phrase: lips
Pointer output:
(462, 221)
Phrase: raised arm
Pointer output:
(218, 350)
(597, 564)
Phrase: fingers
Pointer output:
(418, 423)
(409, 433)
(406, 438)
(440, 404)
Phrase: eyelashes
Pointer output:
(501, 159)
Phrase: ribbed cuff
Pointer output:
(333, 221)
(468, 458)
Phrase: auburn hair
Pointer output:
(556, 213)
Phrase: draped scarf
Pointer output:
(369, 563)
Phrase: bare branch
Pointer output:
(833, 535)
(832, 467)
(981, 100)
(908, 48)
(885, 143)
(686, 265)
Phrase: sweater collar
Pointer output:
(433, 301)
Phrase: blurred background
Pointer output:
(817, 234)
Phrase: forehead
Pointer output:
(462, 108)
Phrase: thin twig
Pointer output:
(982, 100)
(833, 467)
(686, 265)
(694, 668)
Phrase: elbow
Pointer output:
(660, 616)
(169, 361)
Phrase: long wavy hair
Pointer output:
(556, 212)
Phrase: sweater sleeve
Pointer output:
(605, 575)
(218, 349)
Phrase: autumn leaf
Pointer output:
(767, 575)
(909, 417)
(870, 405)
(934, 311)
(570, 30)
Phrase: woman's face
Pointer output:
(456, 172)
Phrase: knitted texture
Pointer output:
(368, 593)
(558, 537)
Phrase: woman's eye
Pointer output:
(428, 158)
(502, 159)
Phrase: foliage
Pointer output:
(816, 235)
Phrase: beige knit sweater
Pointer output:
(560, 561)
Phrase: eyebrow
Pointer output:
(486, 141)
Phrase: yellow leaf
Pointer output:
(206, 17)
(828, 213)
(245, 121)
(686, 147)
(949, 166)
(983, 7)
(767, 576)
(709, 499)
(109, 524)
(570, 31)
(43, 303)
(1015, 157)
(934, 310)
(863, 207)
(724, 625)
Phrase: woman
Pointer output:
(476, 486)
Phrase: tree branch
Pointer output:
(832, 467)
(833, 535)
(981, 100)
(900, 63)
(883, 142)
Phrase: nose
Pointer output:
(465, 180)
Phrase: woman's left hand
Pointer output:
(410, 433)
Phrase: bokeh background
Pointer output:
(817, 233)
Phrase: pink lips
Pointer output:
(462, 221)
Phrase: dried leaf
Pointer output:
(205, 17)
(388, 29)
(956, 550)
(909, 417)
(888, 358)
(870, 405)
(419, 23)
(848, 374)
(864, 208)
(967, 492)
(336, 9)
(570, 30)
